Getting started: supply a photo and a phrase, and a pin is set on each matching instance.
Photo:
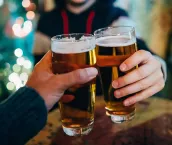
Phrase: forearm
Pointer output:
(22, 116)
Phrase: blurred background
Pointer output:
(18, 26)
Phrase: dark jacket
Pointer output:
(22, 116)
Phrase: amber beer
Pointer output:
(112, 51)
(71, 52)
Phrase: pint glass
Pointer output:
(71, 52)
(114, 45)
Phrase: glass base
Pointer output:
(108, 114)
(79, 131)
(122, 118)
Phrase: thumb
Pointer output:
(76, 77)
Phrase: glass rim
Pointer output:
(55, 38)
(132, 29)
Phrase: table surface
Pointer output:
(152, 126)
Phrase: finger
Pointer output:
(145, 94)
(76, 77)
(137, 74)
(137, 58)
(67, 98)
(46, 61)
(140, 85)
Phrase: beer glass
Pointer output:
(113, 46)
(71, 52)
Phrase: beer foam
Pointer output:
(112, 41)
(70, 45)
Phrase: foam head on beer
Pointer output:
(72, 45)
(115, 41)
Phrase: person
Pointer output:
(86, 16)
(24, 113)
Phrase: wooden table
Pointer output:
(151, 126)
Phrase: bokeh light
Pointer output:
(26, 3)
(30, 15)
(13, 77)
(27, 64)
(33, 6)
(18, 52)
(24, 76)
(16, 68)
(18, 73)
(20, 61)
(20, 31)
(1, 2)
(27, 27)
(19, 20)
(16, 27)
(28, 23)
(10, 86)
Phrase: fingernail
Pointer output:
(92, 72)
(115, 84)
(123, 67)
(117, 94)
(126, 103)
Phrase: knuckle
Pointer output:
(157, 62)
(148, 54)
(142, 85)
(161, 84)
(160, 74)
(143, 53)
(75, 76)
(79, 75)
(144, 94)
(132, 101)
(123, 92)
(148, 94)
(128, 90)
(140, 73)
(122, 81)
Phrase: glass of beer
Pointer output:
(71, 52)
(113, 46)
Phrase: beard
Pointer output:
(76, 4)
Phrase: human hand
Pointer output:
(51, 87)
(143, 82)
